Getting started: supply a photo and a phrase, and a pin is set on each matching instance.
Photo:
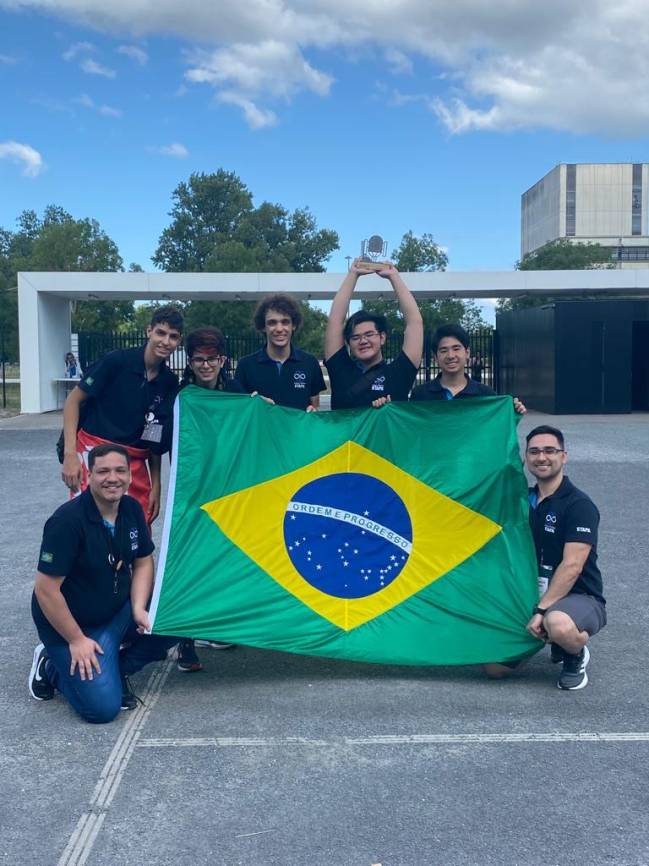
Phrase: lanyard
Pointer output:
(114, 559)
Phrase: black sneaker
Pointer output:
(129, 699)
(188, 662)
(557, 653)
(40, 687)
(574, 676)
(215, 644)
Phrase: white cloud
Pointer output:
(91, 67)
(7, 60)
(399, 63)
(257, 118)
(500, 65)
(109, 111)
(177, 150)
(136, 54)
(243, 72)
(76, 49)
(105, 110)
(30, 159)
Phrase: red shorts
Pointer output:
(140, 486)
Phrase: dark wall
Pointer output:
(576, 357)
(527, 356)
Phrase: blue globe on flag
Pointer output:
(348, 534)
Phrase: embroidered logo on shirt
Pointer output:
(583, 529)
(47, 557)
(379, 384)
(299, 380)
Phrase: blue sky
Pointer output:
(381, 118)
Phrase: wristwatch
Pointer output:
(540, 610)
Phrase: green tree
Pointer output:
(215, 227)
(57, 242)
(559, 255)
(419, 254)
(424, 254)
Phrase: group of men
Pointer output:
(95, 571)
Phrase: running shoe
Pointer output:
(188, 662)
(129, 699)
(40, 687)
(215, 644)
(574, 676)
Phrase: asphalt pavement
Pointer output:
(268, 759)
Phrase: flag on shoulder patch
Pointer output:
(395, 535)
(47, 557)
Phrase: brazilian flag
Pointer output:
(396, 535)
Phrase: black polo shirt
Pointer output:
(77, 545)
(122, 397)
(292, 383)
(353, 387)
(434, 390)
(567, 515)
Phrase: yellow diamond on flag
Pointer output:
(351, 535)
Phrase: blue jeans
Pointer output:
(99, 700)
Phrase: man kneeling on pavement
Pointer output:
(564, 523)
(93, 586)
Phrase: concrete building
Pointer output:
(603, 203)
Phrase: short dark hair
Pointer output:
(378, 320)
(449, 330)
(546, 429)
(281, 302)
(104, 450)
(169, 316)
(209, 337)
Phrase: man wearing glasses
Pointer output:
(361, 376)
(564, 523)
(280, 372)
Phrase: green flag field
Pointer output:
(396, 535)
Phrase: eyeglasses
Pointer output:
(548, 450)
(356, 338)
(212, 361)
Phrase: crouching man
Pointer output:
(93, 585)
(564, 523)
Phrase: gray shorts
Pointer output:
(587, 612)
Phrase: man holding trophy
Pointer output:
(358, 373)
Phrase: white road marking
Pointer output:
(396, 740)
(83, 838)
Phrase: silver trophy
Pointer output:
(373, 253)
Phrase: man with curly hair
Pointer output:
(280, 372)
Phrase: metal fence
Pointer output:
(93, 345)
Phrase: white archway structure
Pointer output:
(44, 301)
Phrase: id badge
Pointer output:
(152, 432)
(543, 583)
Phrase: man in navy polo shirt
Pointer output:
(280, 372)
(361, 376)
(92, 590)
(450, 346)
(564, 523)
(127, 398)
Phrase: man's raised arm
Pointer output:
(413, 337)
(334, 339)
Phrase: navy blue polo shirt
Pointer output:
(77, 546)
(568, 515)
(122, 397)
(434, 390)
(292, 383)
(352, 387)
